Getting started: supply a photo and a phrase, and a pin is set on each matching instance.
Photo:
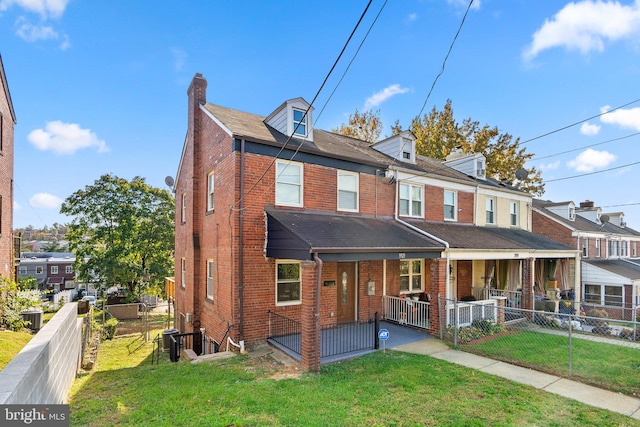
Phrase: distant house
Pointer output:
(610, 276)
(280, 223)
(53, 270)
(9, 244)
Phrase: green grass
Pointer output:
(381, 389)
(10, 344)
(614, 367)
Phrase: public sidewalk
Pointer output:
(580, 392)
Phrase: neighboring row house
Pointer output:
(609, 248)
(9, 244)
(278, 222)
(53, 270)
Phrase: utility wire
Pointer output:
(310, 105)
(581, 121)
(585, 146)
(592, 173)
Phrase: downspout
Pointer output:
(318, 261)
(241, 247)
(424, 233)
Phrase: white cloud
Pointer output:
(624, 118)
(32, 33)
(179, 58)
(412, 17)
(550, 166)
(386, 93)
(45, 200)
(585, 26)
(589, 160)
(589, 129)
(45, 8)
(65, 138)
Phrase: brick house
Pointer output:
(278, 220)
(610, 269)
(53, 270)
(9, 244)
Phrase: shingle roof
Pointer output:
(620, 267)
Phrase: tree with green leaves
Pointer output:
(122, 233)
(365, 126)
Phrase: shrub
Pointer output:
(109, 329)
(13, 301)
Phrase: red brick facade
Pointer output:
(7, 123)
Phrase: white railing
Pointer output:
(514, 298)
(65, 296)
(463, 314)
(406, 311)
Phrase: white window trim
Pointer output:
(411, 200)
(303, 122)
(68, 269)
(210, 278)
(288, 163)
(210, 191)
(490, 202)
(54, 269)
(514, 211)
(455, 205)
(183, 210)
(39, 267)
(285, 303)
(183, 272)
(598, 248)
(22, 270)
(411, 274)
(357, 177)
(603, 295)
(585, 247)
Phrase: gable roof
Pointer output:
(7, 94)
(630, 270)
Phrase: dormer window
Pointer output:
(572, 214)
(406, 155)
(299, 122)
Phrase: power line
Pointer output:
(581, 121)
(624, 204)
(586, 146)
(592, 173)
(445, 58)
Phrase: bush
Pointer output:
(13, 301)
(600, 327)
(108, 330)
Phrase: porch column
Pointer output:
(437, 286)
(309, 320)
(528, 279)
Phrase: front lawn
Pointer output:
(11, 343)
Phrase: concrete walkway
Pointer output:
(587, 394)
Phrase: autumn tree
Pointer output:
(365, 126)
(438, 133)
(122, 233)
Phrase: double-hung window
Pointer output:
(39, 269)
(411, 200)
(288, 283)
(22, 271)
(491, 210)
(289, 179)
(513, 214)
(210, 187)
(54, 269)
(411, 275)
(183, 211)
(450, 204)
(585, 247)
(210, 279)
(183, 272)
(68, 269)
(348, 191)
(634, 250)
(299, 122)
(598, 250)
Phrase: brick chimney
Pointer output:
(586, 204)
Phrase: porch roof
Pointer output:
(630, 270)
(468, 236)
(335, 237)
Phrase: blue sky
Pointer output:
(100, 86)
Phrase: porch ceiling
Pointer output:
(297, 235)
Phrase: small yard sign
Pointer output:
(383, 335)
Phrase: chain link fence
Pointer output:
(593, 349)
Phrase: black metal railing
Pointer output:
(346, 338)
(179, 342)
(285, 332)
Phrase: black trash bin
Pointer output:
(166, 338)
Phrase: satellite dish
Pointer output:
(604, 218)
(522, 174)
(169, 181)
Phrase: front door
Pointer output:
(464, 278)
(346, 292)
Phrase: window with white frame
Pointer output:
(68, 269)
(585, 247)
(450, 205)
(623, 248)
(54, 269)
(210, 187)
(183, 272)
(22, 270)
(514, 219)
(613, 248)
(604, 295)
(411, 275)
(634, 250)
(598, 250)
(183, 211)
(210, 279)
(288, 283)
(289, 180)
(39, 269)
(299, 122)
(411, 200)
(348, 185)
(490, 204)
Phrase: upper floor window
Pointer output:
(585, 247)
(39, 269)
(22, 270)
(68, 269)
(513, 214)
(299, 122)
(598, 250)
(406, 155)
(210, 279)
(623, 248)
(634, 250)
(572, 214)
(450, 205)
(348, 191)
(491, 210)
(183, 272)
(54, 269)
(183, 211)
(411, 275)
(411, 200)
(210, 185)
(288, 282)
(289, 179)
